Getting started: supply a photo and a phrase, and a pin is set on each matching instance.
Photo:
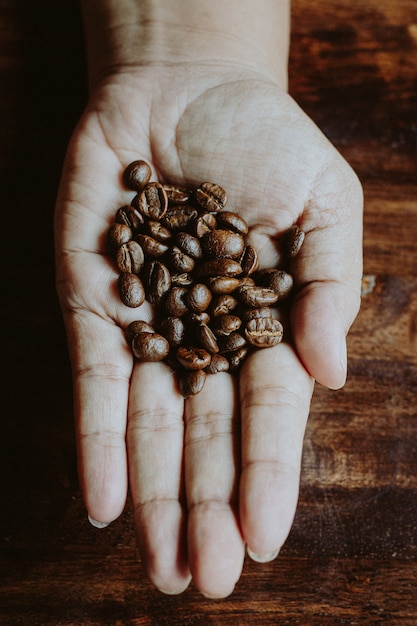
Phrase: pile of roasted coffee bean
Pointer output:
(181, 250)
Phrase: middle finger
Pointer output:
(212, 441)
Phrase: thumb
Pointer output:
(328, 274)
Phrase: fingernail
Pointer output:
(97, 524)
(262, 558)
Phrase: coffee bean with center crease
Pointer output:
(157, 231)
(203, 224)
(130, 257)
(179, 217)
(264, 332)
(151, 246)
(257, 296)
(152, 201)
(189, 244)
(255, 313)
(249, 260)
(232, 221)
(177, 194)
(211, 197)
(223, 304)
(180, 262)
(193, 358)
(182, 279)
(206, 338)
(158, 281)
(247, 281)
(130, 217)
(292, 241)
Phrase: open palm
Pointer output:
(219, 471)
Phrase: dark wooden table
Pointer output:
(351, 557)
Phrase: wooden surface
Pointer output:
(351, 557)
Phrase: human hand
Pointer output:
(218, 471)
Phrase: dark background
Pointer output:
(351, 556)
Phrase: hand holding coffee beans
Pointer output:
(182, 251)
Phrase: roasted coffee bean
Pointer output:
(130, 217)
(198, 298)
(218, 363)
(180, 262)
(131, 290)
(292, 241)
(257, 296)
(278, 280)
(253, 314)
(206, 338)
(152, 201)
(193, 358)
(158, 281)
(175, 304)
(232, 342)
(219, 267)
(247, 281)
(157, 231)
(150, 347)
(136, 327)
(203, 224)
(177, 194)
(117, 235)
(136, 175)
(223, 325)
(223, 304)
(150, 246)
(223, 243)
(223, 284)
(192, 382)
(173, 329)
(189, 245)
(249, 260)
(232, 221)
(211, 197)
(130, 257)
(236, 357)
(179, 217)
(182, 280)
(264, 332)
(197, 319)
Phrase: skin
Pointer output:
(218, 474)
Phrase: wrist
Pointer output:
(125, 33)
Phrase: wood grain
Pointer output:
(351, 556)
